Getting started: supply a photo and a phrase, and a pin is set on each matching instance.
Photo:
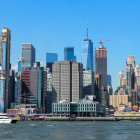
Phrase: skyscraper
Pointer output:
(67, 81)
(34, 83)
(69, 54)
(109, 81)
(50, 59)
(101, 64)
(5, 43)
(130, 77)
(19, 65)
(88, 82)
(87, 53)
(121, 76)
(27, 56)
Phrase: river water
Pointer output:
(44, 130)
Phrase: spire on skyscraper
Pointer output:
(87, 30)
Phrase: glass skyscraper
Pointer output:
(19, 65)
(50, 59)
(27, 56)
(69, 54)
(87, 54)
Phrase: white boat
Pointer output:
(5, 119)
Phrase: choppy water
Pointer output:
(41, 130)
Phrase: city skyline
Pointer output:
(117, 21)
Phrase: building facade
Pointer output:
(27, 56)
(5, 44)
(34, 85)
(87, 54)
(121, 97)
(69, 54)
(121, 76)
(101, 64)
(130, 75)
(50, 59)
(67, 81)
(88, 82)
(19, 65)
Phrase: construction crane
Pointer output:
(101, 42)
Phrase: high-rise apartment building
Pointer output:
(121, 76)
(87, 54)
(50, 59)
(101, 64)
(67, 81)
(27, 56)
(69, 54)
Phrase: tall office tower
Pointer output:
(121, 76)
(2, 80)
(50, 59)
(19, 65)
(27, 56)
(109, 81)
(101, 64)
(49, 96)
(137, 81)
(87, 53)
(88, 82)
(18, 87)
(131, 60)
(5, 43)
(67, 81)
(69, 54)
(124, 81)
(130, 75)
(11, 88)
(34, 84)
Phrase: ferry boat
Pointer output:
(5, 119)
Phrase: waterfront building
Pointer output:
(87, 54)
(67, 81)
(85, 108)
(88, 82)
(27, 56)
(121, 97)
(19, 65)
(101, 64)
(5, 44)
(34, 84)
(69, 54)
(121, 76)
(50, 59)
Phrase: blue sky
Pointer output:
(50, 25)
